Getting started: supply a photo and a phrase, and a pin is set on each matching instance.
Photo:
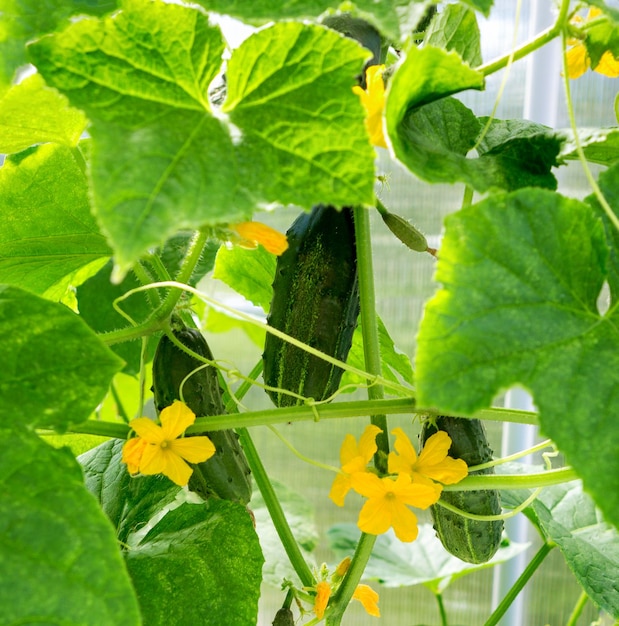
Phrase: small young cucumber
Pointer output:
(473, 541)
(226, 474)
(315, 300)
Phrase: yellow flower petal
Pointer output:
(368, 598)
(374, 517)
(323, 593)
(374, 102)
(340, 487)
(435, 464)
(404, 522)
(175, 419)
(147, 430)
(158, 460)
(577, 61)
(193, 449)
(367, 442)
(132, 454)
(368, 484)
(608, 65)
(258, 233)
(349, 449)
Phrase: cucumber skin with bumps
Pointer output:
(226, 474)
(472, 541)
(315, 300)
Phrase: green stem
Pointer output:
(340, 601)
(610, 214)
(369, 327)
(340, 410)
(467, 198)
(514, 481)
(441, 608)
(530, 569)
(371, 349)
(540, 40)
(576, 612)
(159, 317)
(268, 493)
(275, 510)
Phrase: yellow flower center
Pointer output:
(164, 444)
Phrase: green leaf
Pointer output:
(455, 28)
(602, 37)
(55, 369)
(300, 515)
(33, 113)
(424, 561)
(521, 274)
(59, 558)
(396, 365)
(426, 75)
(48, 236)
(600, 145)
(290, 94)
(248, 272)
(609, 186)
(23, 20)
(512, 154)
(129, 503)
(193, 563)
(431, 134)
(393, 18)
(201, 564)
(160, 161)
(567, 516)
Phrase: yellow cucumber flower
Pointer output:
(578, 61)
(388, 502)
(353, 459)
(368, 598)
(253, 233)
(373, 99)
(323, 593)
(433, 464)
(157, 449)
(325, 589)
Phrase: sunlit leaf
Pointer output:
(521, 274)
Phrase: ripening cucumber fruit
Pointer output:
(226, 474)
(473, 541)
(315, 300)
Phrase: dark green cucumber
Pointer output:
(473, 541)
(315, 300)
(226, 474)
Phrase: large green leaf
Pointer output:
(33, 113)
(162, 160)
(393, 18)
(55, 369)
(201, 564)
(432, 134)
(521, 274)
(455, 28)
(59, 557)
(48, 237)
(23, 20)
(568, 517)
(189, 563)
(423, 561)
(284, 83)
